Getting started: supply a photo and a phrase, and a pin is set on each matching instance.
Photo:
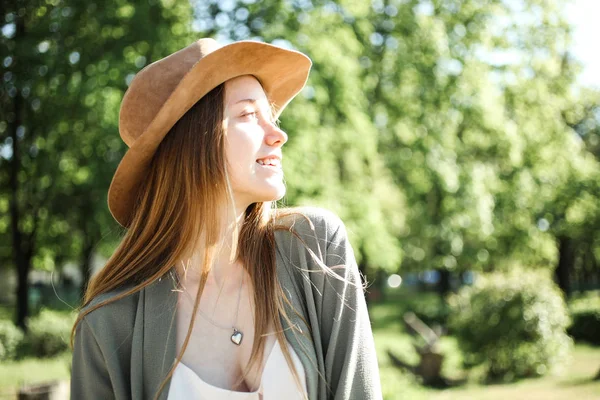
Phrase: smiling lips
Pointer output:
(274, 161)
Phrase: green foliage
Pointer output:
(437, 124)
(513, 324)
(446, 134)
(11, 338)
(49, 333)
(332, 150)
(429, 307)
(398, 384)
(585, 315)
(589, 300)
(67, 65)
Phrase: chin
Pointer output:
(255, 190)
(275, 197)
(276, 193)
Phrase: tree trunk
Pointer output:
(566, 259)
(443, 285)
(21, 264)
(22, 311)
(21, 256)
(430, 367)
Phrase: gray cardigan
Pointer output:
(124, 349)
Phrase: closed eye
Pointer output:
(253, 114)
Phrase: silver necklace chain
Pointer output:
(237, 335)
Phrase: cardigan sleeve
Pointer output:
(89, 374)
(350, 358)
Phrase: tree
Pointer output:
(67, 65)
(464, 103)
(332, 146)
(472, 95)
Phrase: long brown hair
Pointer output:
(177, 208)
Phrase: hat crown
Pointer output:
(152, 86)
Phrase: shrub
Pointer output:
(585, 314)
(10, 340)
(49, 333)
(513, 325)
(431, 309)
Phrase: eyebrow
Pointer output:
(253, 101)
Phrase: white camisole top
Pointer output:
(277, 382)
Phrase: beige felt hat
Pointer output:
(162, 92)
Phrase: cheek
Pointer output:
(242, 151)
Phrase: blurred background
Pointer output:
(459, 140)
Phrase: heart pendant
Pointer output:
(237, 337)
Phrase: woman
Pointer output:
(213, 293)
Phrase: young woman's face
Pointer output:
(250, 134)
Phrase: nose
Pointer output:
(275, 135)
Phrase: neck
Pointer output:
(225, 271)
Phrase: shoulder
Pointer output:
(310, 222)
(315, 238)
(112, 312)
(325, 257)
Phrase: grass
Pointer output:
(14, 374)
(575, 383)
(31, 370)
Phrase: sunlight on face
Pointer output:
(251, 134)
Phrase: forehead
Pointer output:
(244, 88)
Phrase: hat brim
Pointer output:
(281, 72)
